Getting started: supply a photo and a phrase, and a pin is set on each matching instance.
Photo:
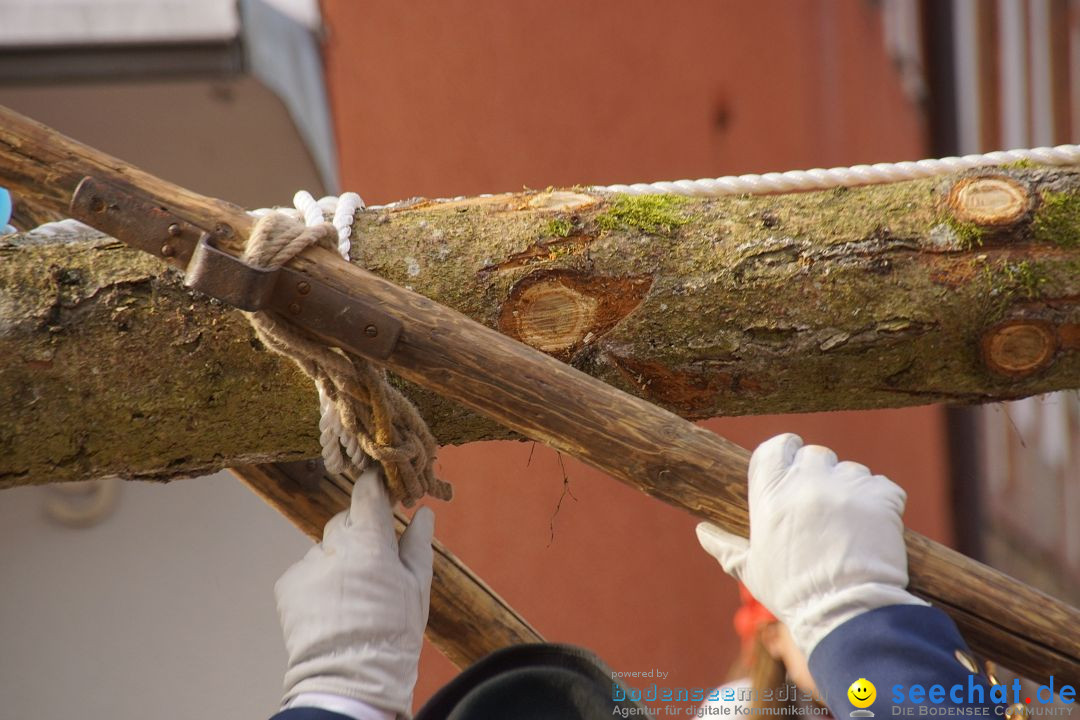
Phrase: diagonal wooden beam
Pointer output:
(636, 442)
(468, 620)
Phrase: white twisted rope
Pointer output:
(340, 208)
(333, 437)
(823, 179)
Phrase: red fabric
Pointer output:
(749, 617)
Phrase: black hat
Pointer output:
(532, 682)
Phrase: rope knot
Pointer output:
(277, 238)
(363, 417)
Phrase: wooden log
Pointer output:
(992, 322)
(871, 297)
(468, 620)
(633, 440)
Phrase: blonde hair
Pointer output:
(767, 675)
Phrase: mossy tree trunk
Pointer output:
(961, 290)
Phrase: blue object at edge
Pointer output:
(5, 207)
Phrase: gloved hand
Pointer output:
(353, 611)
(826, 539)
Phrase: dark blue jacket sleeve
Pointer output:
(306, 713)
(914, 657)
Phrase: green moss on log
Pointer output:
(651, 214)
(968, 235)
(1022, 164)
(558, 227)
(1025, 277)
(1057, 220)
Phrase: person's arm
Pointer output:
(353, 613)
(826, 555)
(913, 654)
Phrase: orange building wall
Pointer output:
(456, 97)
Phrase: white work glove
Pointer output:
(826, 539)
(353, 611)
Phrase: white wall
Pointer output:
(165, 610)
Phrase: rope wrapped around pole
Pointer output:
(363, 417)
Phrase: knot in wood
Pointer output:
(989, 201)
(1019, 348)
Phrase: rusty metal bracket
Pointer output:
(129, 216)
(344, 321)
(339, 319)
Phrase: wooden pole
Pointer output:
(634, 441)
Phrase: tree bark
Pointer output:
(872, 297)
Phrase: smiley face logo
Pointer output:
(862, 693)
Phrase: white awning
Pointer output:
(26, 23)
(277, 41)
